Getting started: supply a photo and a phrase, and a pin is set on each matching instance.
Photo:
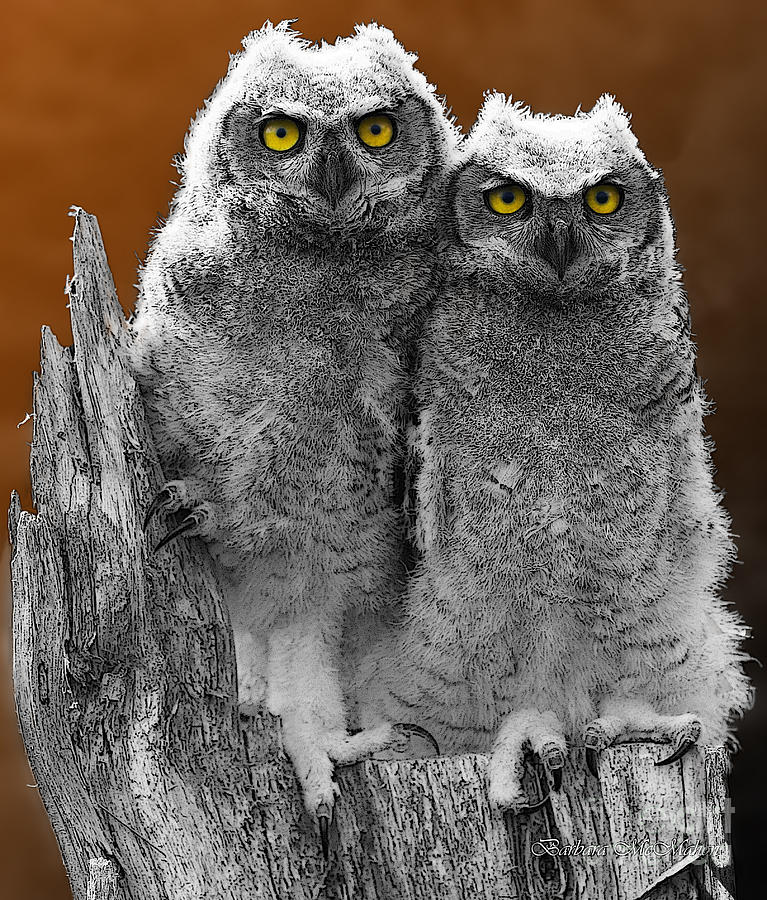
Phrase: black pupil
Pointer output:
(281, 131)
(602, 197)
(507, 197)
(375, 128)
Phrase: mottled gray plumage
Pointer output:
(271, 342)
(572, 543)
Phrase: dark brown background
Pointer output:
(96, 99)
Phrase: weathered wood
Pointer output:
(717, 876)
(613, 838)
(156, 788)
(123, 661)
(103, 880)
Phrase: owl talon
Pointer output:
(323, 820)
(553, 759)
(680, 751)
(591, 761)
(192, 522)
(408, 729)
(534, 807)
(161, 500)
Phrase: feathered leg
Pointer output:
(304, 690)
(251, 654)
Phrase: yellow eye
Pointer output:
(280, 134)
(604, 198)
(508, 198)
(376, 131)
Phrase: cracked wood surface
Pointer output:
(156, 788)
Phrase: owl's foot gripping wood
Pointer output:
(196, 517)
(623, 721)
(304, 690)
(543, 734)
(315, 751)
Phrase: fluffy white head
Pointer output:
(345, 168)
(570, 202)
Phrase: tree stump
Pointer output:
(156, 788)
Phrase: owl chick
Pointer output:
(572, 543)
(276, 312)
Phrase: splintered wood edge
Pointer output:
(89, 411)
(718, 872)
(89, 245)
(14, 514)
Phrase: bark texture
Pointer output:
(154, 785)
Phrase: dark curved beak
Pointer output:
(558, 246)
(334, 172)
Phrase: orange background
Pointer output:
(96, 99)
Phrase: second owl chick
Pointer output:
(572, 543)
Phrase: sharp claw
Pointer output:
(556, 779)
(591, 761)
(186, 525)
(421, 732)
(534, 807)
(680, 751)
(156, 505)
(323, 820)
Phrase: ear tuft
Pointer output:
(608, 110)
(501, 113)
(610, 117)
(269, 33)
(382, 39)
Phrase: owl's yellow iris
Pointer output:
(508, 198)
(376, 130)
(604, 198)
(280, 134)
